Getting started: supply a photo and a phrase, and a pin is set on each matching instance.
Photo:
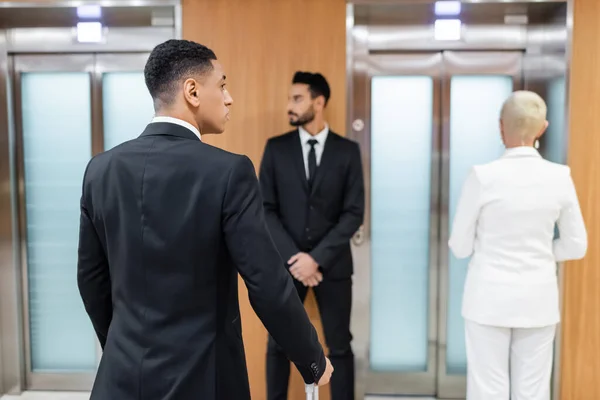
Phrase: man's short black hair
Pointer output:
(317, 84)
(173, 61)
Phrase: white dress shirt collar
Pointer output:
(320, 137)
(180, 122)
(521, 151)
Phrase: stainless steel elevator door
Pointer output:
(422, 120)
(67, 108)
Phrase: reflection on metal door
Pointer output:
(427, 119)
(60, 123)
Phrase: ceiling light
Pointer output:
(89, 32)
(447, 29)
(89, 11)
(447, 8)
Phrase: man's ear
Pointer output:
(190, 92)
(320, 102)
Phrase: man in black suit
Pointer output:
(167, 222)
(312, 185)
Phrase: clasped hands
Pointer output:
(305, 269)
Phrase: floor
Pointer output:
(85, 396)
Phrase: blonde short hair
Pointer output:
(523, 114)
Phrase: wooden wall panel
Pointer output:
(580, 350)
(261, 43)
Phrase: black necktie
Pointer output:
(312, 160)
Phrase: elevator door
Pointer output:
(67, 108)
(422, 120)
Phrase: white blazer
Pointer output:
(505, 219)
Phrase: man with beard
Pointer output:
(312, 185)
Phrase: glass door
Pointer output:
(54, 133)
(475, 85)
(67, 108)
(423, 120)
(126, 106)
(396, 256)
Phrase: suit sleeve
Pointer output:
(464, 226)
(284, 242)
(352, 214)
(270, 287)
(93, 276)
(572, 243)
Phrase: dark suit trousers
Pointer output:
(334, 298)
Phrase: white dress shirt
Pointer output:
(506, 219)
(320, 137)
(180, 122)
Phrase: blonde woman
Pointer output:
(505, 220)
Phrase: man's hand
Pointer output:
(305, 269)
(313, 280)
(327, 374)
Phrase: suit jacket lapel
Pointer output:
(298, 158)
(326, 160)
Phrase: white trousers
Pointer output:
(508, 363)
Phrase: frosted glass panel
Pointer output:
(127, 107)
(401, 134)
(56, 148)
(475, 103)
(554, 141)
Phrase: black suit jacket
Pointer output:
(321, 220)
(167, 222)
